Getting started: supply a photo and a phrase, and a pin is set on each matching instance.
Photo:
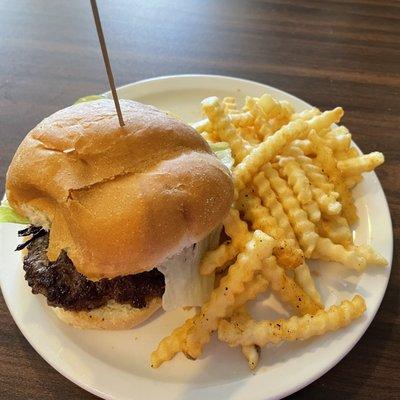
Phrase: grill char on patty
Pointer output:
(65, 287)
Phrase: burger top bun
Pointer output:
(118, 200)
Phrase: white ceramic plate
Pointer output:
(115, 365)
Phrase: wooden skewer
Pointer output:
(106, 60)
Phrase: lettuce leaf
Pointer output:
(90, 98)
(8, 214)
(224, 153)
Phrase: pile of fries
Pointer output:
(293, 176)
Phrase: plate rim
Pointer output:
(294, 388)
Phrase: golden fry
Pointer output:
(201, 126)
(296, 179)
(270, 200)
(257, 285)
(358, 165)
(288, 254)
(306, 114)
(302, 276)
(313, 211)
(249, 134)
(350, 258)
(170, 345)
(370, 255)
(264, 152)
(338, 139)
(337, 229)
(322, 190)
(224, 128)
(258, 215)
(303, 227)
(216, 259)
(327, 161)
(251, 352)
(240, 235)
(242, 119)
(294, 328)
(287, 289)
(326, 119)
(230, 106)
(209, 137)
(352, 181)
(222, 298)
(261, 125)
(237, 230)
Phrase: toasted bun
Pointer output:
(111, 316)
(118, 200)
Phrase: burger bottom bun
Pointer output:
(112, 316)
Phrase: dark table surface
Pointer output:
(326, 52)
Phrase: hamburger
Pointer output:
(119, 217)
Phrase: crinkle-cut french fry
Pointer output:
(327, 203)
(287, 289)
(242, 119)
(306, 114)
(252, 354)
(303, 278)
(327, 162)
(286, 110)
(302, 226)
(313, 211)
(322, 190)
(268, 196)
(261, 124)
(352, 181)
(170, 345)
(352, 152)
(287, 251)
(258, 215)
(337, 229)
(370, 255)
(296, 179)
(265, 152)
(239, 233)
(329, 251)
(176, 341)
(202, 125)
(284, 116)
(314, 172)
(237, 229)
(248, 263)
(270, 200)
(208, 136)
(338, 139)
(326, 119)
(304, 145)
(358, 165)
(269, 106)
(230, 106)
(249, 134)
(294, 328)
(257, 285)
(288, 254)
(223, 127)
(217, 258)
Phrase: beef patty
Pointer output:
(65, 287)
